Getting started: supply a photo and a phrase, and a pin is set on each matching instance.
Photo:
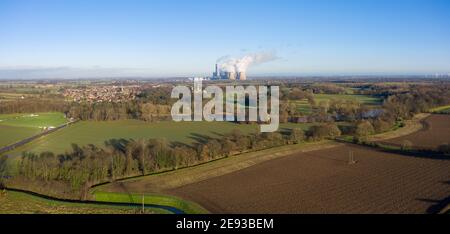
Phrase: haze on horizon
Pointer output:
(76, 39)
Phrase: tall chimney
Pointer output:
(216, 73)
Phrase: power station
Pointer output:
(227, 75)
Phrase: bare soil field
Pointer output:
(436, 131)
(323, 181)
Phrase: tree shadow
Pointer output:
(118, 144)
(426, 154)
(284, 131)
(200, 138)
(125, 190)
(179, 144)
(438, 205)
(218, 134)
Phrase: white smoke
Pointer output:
(241, 64)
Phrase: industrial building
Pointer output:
(226, 75)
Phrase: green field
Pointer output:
(364, 99)
(16, 94)
(15, 127)
(9, 134)
(33, 120)
(92, 132)
(153, 199)
(21, 203)
(9, 96)
(304, 107)
(441, 109)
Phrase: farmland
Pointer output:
(93, 132)
(363, 99)
(9, 135)
(308, 179)
(4, 97)
(202, 163)
(15, 127)
(323, 182)
(33, 120)
(14, 92)
(97, 132)
(305, 108)
(161, 182)
(436, 131)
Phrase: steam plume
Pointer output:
(241, 64)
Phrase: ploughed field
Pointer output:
(436, 131)
(323, 181)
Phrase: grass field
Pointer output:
(15, 127)
(154, 199)
(91, 132)
(305, 107)
(9, 134)
(34, 120)
(21, 203)
(16, 94)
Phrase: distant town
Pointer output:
(103, 93)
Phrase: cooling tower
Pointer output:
(242, 76)
(232, 76)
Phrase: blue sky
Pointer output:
(40, 39)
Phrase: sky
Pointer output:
(77, 39)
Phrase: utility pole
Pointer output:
(143, 206)
(112, 167)
(351, 158)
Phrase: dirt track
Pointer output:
(436, 131)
